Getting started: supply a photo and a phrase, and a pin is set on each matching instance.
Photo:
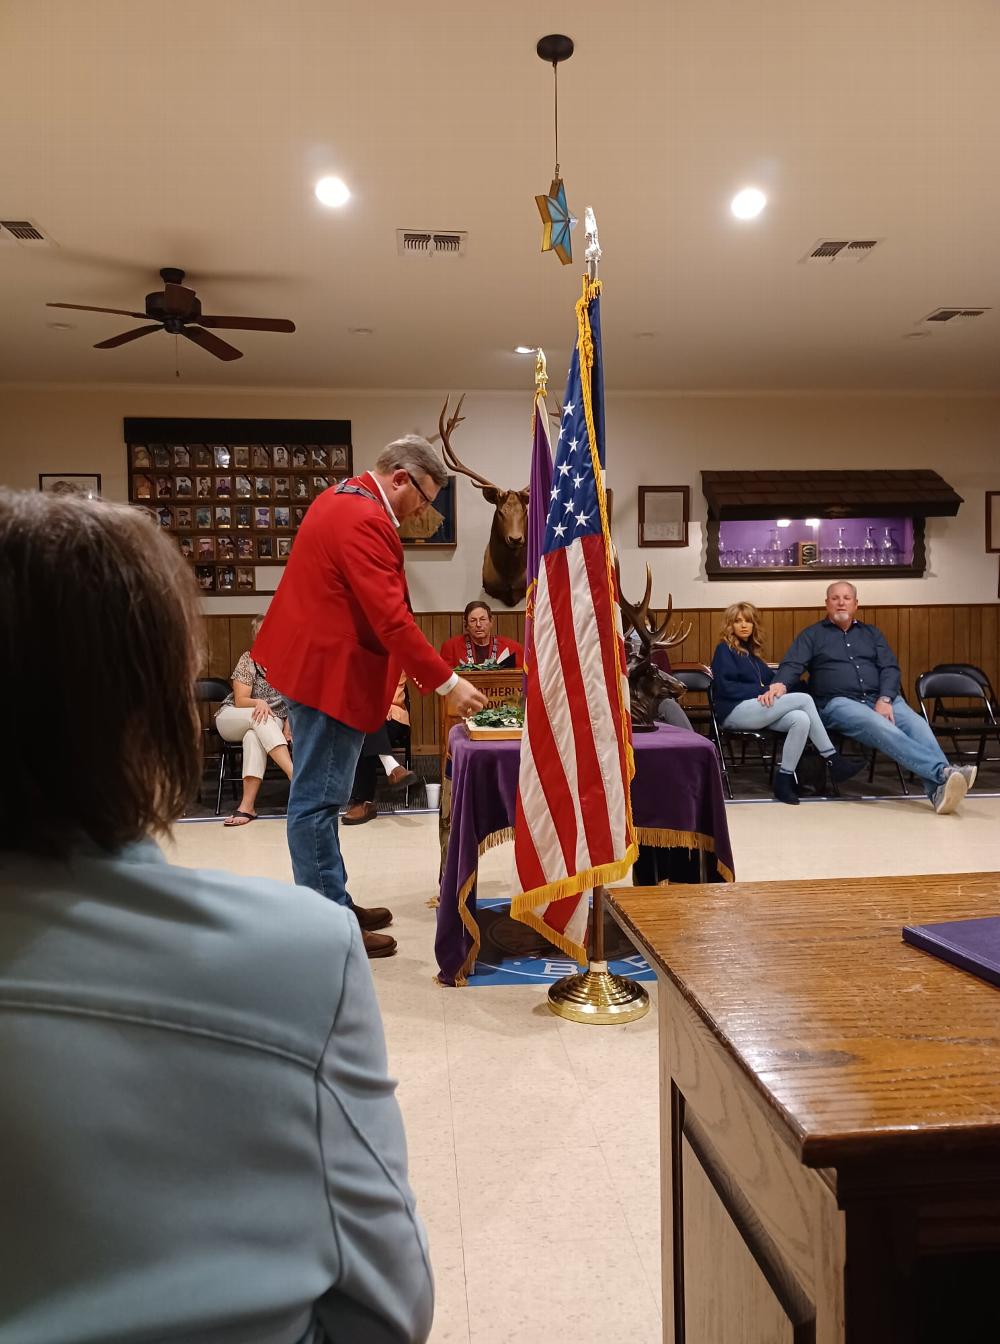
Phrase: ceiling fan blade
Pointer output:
(248, 323)
(219, 348)
(127, 336)
(88, 308)
(178, 300)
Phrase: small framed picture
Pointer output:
(223, 516)
(223, 485)
(259, 456)
(205, 577)
(265, 548)
(182, 455)
(165, 516)
(244, 548)
(202, 456)
(182, 514)
(320, 483)
(161, 456)
(186, 547)
(299, 458)
(280, 454)
(244, 487)
(182, 486)
(140, 456)
(284, 548)
(319, 457)
(203, 516)
(338, 458)
(244, 580)
(664, 512)
(299, 514)
(221, 455)
(241, 456)
(226, 578)
(242, 515)
(282, 516)
(993, 520)
(205, 548)
(301, 488)
(203, 487)
(282, 488)
(261, 516)
(164, 487)
(142, 486)
(262, 487)
(224, 548)
(74, 483)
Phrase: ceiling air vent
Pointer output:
(954, 315)
(25, 232)
(426, 242)
(840, 250)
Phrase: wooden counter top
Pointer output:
(860, 1043)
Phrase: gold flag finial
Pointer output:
(541, 371)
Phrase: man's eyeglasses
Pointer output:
(416, 487)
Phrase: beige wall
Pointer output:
(652, 440)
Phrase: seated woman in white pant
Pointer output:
(255, 716)
(743, 699)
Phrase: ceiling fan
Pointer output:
(178, 310)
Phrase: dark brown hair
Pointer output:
(746, 611)
(100, 640)
(470, 607)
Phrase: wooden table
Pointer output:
(830, 1112)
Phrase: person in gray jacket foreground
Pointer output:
(199, 1142)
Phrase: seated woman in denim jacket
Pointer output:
(743, 699)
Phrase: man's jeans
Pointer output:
(909, 741)
(326, 756)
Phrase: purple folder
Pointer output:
(972, 944)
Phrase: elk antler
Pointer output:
(448, 452)
(650, 637)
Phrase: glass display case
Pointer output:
(791, 548)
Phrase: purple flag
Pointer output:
(539, 494)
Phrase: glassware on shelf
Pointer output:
(840, 553)
(775, 556)
(890, 550)
(868, 556)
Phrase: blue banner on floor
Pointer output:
(545, 968)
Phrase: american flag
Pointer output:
(573, 827)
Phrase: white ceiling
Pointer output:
(190, 133)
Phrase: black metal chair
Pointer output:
(698, 678)
(210, 693)
(966, 711)
(955, 722)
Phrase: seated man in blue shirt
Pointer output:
(854, 679)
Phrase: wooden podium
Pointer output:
(500, 688)
(830, 1113)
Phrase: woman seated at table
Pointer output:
(743, 699)
(479, 644)
(254, 715)
(199, 1141)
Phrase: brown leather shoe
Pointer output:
(401, 778)
(359, 813)
(379, 944)
(375, 917)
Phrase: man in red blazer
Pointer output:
(337, 634)
(479, 644)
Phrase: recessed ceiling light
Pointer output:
(332, 191)
(361, 331)
(784, 522)
(524, 349)
(748, 204)
(61, 326)
(812, 522)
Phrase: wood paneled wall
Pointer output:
(921, 636)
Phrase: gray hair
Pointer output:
(414, 454)
(842, 583)
(255, 625)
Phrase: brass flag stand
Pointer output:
(596, 995)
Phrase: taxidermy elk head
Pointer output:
(506, 555)
(648, 684)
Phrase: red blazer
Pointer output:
(339, 629)
(453, 651)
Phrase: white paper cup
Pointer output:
(433, 795)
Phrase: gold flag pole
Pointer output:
(596, 995)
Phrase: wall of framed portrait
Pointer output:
(233, 493)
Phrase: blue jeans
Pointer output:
(326, 756)
(909, 741)
(795, 715)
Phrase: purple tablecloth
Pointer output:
(677, 802)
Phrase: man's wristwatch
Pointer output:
(886, 698)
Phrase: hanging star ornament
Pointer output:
(557, 221)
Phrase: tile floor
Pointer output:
(533, 1141)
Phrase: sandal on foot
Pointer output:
(244, 818)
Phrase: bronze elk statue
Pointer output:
(506, 557)
(648, 684)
